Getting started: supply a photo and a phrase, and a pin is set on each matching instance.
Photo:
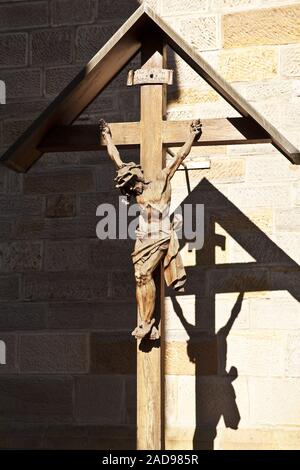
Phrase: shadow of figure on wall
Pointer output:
(271, 270)
(216, 402)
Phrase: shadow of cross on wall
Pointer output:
(272, 270)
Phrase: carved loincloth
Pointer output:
(174, 271)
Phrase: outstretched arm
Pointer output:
(111, 148)
(225, 330)
(194, 131)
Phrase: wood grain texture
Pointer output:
(149, 359)
(215, 132)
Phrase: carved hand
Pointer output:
(196, 127)
(104, 129)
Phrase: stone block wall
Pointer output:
(67, 299)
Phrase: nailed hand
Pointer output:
(196, 127)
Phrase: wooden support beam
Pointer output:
(215, 132)
(188, 53)
(150, 375)
(82, 90)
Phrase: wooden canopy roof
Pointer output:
(101, 70)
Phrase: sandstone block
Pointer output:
(208, 398)
(73, 12)
(66, 256)
(13, 128)
(272, 401)
(192, 96)
(110, 254)
(6, 228)
(196, 311)
(20, 205)
(3, 177)
(99, 399)
(268, 314)
(113, 353)
(20, 256)
(88, 203)
(9, 288)
(9, 353)
(292, 365)
(56, 78)
(258, 196)
(54, 353)
(63, 205)
(258, 63)
(13, 49)
(223, 309)
(90, 39)
(287, 220)
(92, 315)
(197, 356)
(290, 61)
(200, 31)
(122, 284)
(22, 316)
(36, 399)
(65, 286)
(54, 229)
(262, 26)
(59, 182)
(22, 83)
(246, 439)
(66, 436)
(51, 47)
(259, 169)
(274, 89)
(118, 9)
(190, 7)
(22, 16)
(256, 354)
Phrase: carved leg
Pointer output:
(145, 294)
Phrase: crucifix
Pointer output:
(156, 239)
(157, 247)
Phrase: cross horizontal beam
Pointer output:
(228, 131)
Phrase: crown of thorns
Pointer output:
(129, 172)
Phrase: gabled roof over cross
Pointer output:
(52, 130)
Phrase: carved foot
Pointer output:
(154, 333)
(143, 329)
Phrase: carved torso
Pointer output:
(155, 206)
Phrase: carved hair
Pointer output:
(127, 176)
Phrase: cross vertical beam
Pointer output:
(150, 377)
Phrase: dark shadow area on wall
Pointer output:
(67, 302)
(273, 270)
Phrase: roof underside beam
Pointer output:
(85, 87)
(102, 69)
(200, 66)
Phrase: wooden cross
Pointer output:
(150, 376)
(53, 131)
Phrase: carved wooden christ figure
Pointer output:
(156, 239)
